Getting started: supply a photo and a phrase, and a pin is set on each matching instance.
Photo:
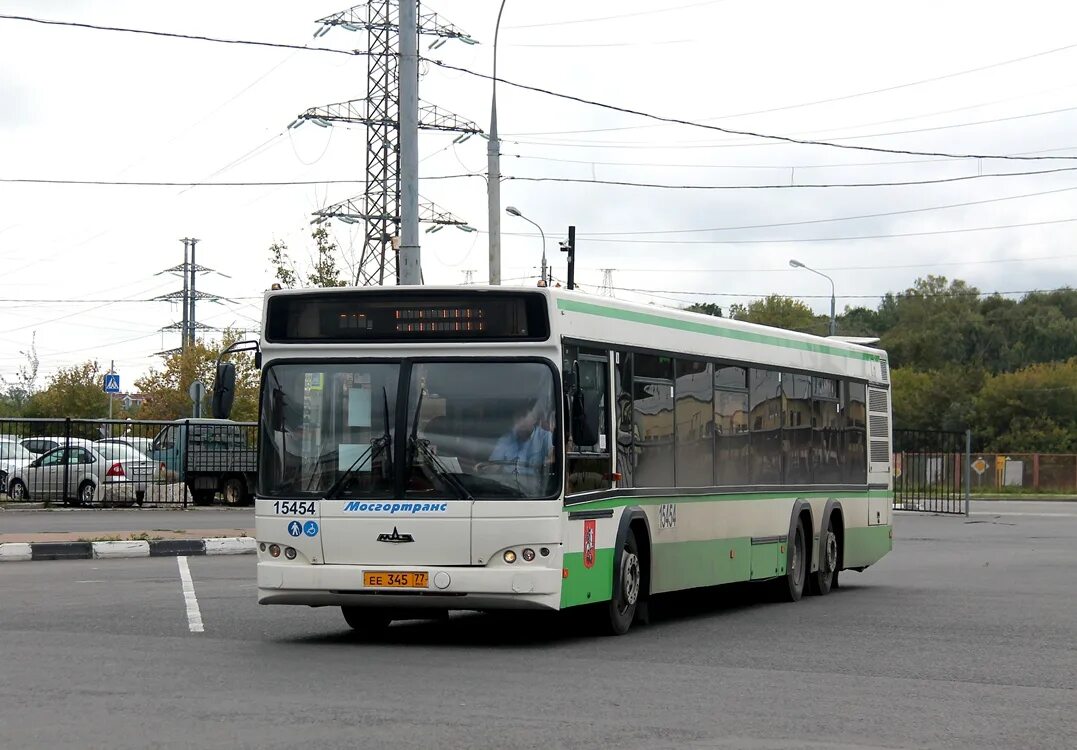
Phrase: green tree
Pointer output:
(780, 312)
(75, 391)
(1033, 409)
(323, 269)
(934, 324)
(166, 390)
(17, 392)
(942, 399)
(707, 308)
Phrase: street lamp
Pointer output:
(833, 324)
(513, 211)
(493, 172)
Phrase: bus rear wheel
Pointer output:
(627, 584)
(826, 577)
(365, 621)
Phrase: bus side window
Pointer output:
(624, 424)
(588, 467)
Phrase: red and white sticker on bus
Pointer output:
(589, 543)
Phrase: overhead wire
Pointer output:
(175, 35)
(747, 133)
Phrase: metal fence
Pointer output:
(102, 462)
(929, 471)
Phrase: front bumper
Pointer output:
(471, 587)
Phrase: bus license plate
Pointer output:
(396, 580)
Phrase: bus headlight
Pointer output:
(509, 556)
(274, 550)
(289, 552)
(528, 554)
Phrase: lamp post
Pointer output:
(493, 172)
(833, 322)
(513, 211)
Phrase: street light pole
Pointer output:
(833, 319)
(513, 211)
(493, 172)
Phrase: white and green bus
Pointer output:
(429, 449)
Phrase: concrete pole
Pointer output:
(493, 172)
(410, 272)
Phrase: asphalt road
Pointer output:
(963, 637)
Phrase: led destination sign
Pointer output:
(408, 316)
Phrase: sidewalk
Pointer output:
(34, 534)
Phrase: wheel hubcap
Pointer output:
(87, 493)
(17, 492)
(830, 556)
(630, 578)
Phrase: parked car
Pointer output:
(39, 446)
(12, 456)
(216, 455)
(141, 444)
(109, 474)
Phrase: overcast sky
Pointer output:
(95, 105)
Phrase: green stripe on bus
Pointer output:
(618, 502)
(766, 339)
(587, 585)
(710, 562)
(865, 545)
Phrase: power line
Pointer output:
(881, 214)
(785, 269)
(747, 133)
(666, 186)
(173, 35)
(788, 240)
(268, 183)
(831, 100)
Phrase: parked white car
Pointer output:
(109, 474)
(13, 456)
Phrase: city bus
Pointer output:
(426, 449)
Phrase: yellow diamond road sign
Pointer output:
(979, 466)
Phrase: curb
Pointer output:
(24, 551)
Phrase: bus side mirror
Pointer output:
(224, 390)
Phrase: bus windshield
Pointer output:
(487, 427)
(473, 430)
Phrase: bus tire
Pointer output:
(791, 587)
(366, 621)
(627, 587)
(203, 497)
(826, 577)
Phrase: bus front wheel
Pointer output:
(365, 621)
(627, 584)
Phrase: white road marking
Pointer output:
(194, 615)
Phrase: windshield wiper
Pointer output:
(385, 442)
(440, 470)
(376, 446)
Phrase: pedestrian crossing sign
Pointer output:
(112, 383)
